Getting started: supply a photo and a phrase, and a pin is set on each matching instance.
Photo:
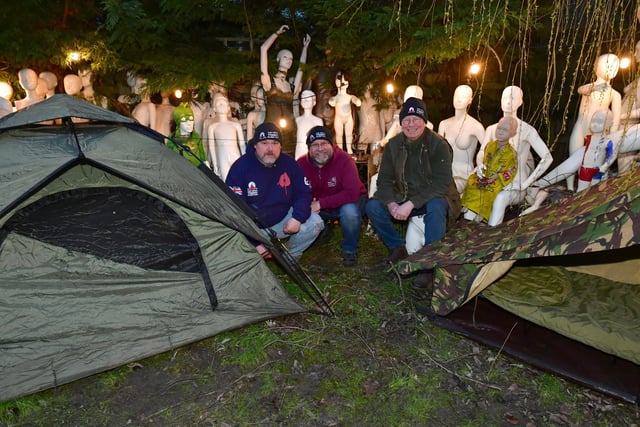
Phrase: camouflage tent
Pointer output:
(571, 267)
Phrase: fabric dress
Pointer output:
(479, 195)
(279, 105)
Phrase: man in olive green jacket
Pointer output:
(414, 178)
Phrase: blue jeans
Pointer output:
(297, 243)
(435, 221)
(350, 217)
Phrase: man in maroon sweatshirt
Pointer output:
(336, 189)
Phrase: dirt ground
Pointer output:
(377, 363)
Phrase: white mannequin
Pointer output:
(164, 115)
(256, 116)
(343, 120)
(225, 143)
(145, 111)
(630, 113)
(72, 85)
(594, 156)
(370, 127)
(596, 96)
(305, 122)
(29, 82)
(52, 82)
(6, 92)
(463, 133)
(525, 139)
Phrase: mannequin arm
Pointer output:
(356, 101)
(297, 83)
(265, 79)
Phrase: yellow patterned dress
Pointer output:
(501, 166)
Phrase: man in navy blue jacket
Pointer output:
(274, 186)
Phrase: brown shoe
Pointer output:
(395, 255)
(422, 285)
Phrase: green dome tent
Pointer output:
(114, 248)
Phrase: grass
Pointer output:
(377, 363)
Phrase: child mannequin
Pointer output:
(305, 122)
(492, 176)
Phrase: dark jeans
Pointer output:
(435, 221)
(350, 217)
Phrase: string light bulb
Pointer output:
(625, 62)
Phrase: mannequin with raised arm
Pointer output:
(343, 119)
(225, 139)
(630, 113)
(305, 122)
(463, 133)
(595, 96)
(525, 139)
(280, 92)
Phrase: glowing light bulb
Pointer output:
(178, 93)
(474, 68)
(282, 122)
(625, 62)
(390, 88)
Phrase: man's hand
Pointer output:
(292, 226)
(400, 212)
(315, 206)
(263, 251)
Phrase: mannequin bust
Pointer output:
(525, 139)
(305, 122)
(596, 96)
(591, 161)
(463, 133)
(164, 114)
(52, 82)
(145, 111)
(370, 127)
(343, 119)
(256, 116)
(73, 85)
(225, 139)
(28, 80)
(185, 140)
(280, 92)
